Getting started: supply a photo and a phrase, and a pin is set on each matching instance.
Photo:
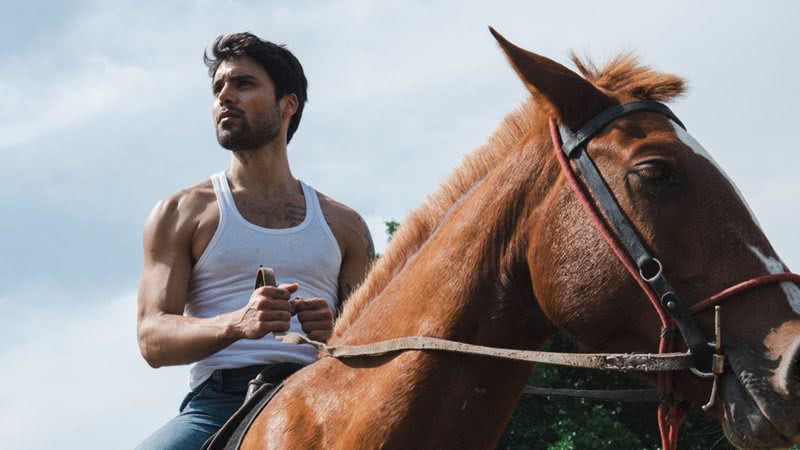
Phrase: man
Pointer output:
(203, 246)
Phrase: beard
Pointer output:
(246, 136)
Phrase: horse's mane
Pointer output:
(622, 74)
(625, 75)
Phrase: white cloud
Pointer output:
(31, 111)
(74, 379)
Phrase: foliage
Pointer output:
(391, 228)
(573, 424)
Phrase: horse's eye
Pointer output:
(653, 171)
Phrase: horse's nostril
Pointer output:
(790, 369)
(793, 377)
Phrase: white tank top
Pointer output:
(224, 276)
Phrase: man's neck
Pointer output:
(265, 169)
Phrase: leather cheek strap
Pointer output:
(650, 268)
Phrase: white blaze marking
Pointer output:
(773, 266)
(692, 143)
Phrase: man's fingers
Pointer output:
(284, 291)
(279, 292)
(272, 304)
(321, 325)
(320, 336)
(274, 325)
(305, 304)
(315, 315)
(290, 287)
(272, 292)
(267, 316)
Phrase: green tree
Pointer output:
(391, 228)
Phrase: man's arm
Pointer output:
(357, 259)
(358, 252)
(166, 336)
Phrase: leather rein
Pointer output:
(704, 358)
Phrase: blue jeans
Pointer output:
(203, 411)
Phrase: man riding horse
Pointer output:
(203, 245)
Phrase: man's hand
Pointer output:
(268, 310)
(315, 316)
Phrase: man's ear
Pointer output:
(288, 106)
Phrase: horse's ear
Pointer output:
(573, 99)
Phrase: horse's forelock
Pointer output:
(623, 74)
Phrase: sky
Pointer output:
(106, 110)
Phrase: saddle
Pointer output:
(260, 391)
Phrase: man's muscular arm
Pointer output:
(357, 258)
(166, 336)
(358, 252)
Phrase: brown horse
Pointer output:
(503, 255)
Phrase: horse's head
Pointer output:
(691, 217)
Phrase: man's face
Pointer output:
(245, 111)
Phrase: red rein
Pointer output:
(670, 416)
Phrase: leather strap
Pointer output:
(642, 362)
(265, 277)
(616, 395)
(598, 122)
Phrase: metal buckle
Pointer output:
(717, 361)
(659, 269)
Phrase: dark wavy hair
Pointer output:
(281, 65)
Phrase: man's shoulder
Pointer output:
(338, 214)
(347, 225)
(183, 208)
(197, 195)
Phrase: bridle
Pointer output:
(705, 359)
(642, 265)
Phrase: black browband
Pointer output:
(650, 269)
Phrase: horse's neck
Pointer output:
(469, 282)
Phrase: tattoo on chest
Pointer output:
(293, 214)
(275, 215)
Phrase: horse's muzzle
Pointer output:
(762, 405)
